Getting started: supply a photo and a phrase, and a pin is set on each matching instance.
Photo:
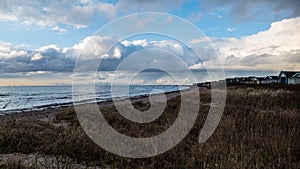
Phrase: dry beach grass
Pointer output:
(260, 128)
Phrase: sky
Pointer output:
(41, 41)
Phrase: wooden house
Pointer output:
(289, 77)
(270, 80)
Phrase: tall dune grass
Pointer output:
(260, 128)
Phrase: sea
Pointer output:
(24, 98)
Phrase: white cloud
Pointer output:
(272, 49)
(96, 47)
(109, 10)
(8, 16)
(280, 37)
(62, 15)
(36, 57)
(58, 29)
(117, 53)
(45, 48)
(142, 43)
(159, 81)
(8, 50)
(37, 73)
(5, 47)
(172, 46)
(231, 29)
(196, 66)
(56, 15)
(196, 41)
(15, 53)
(186, 80)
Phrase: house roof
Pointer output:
(274, 77)
(260, 78)
(288, 73)
(271, 77)
(296, 75)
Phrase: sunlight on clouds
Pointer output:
(170, 46)
(159, 81)
(142, 43)
(93, 47)
(117, 53)
(58, 29)
(7, 50)
(45, 48)
(36, 56)
(8, 17)
(14, 53)
(274, 49)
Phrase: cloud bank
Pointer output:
(245, 10)
(65, 14)
(275, 49)
(62, 15)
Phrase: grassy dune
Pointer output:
(260, 128)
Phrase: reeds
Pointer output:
(260, 128)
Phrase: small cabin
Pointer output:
(289, 77)
(270, 80)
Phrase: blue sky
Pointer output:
(213, 21)
(251, 36)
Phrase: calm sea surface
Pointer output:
(37, 97)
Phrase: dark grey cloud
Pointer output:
(162, 54)
(49, 60)
(292, 5)
(146, 5)
(151, 77)
(245, 73)
(47, 13)
(287, 60)
(65, 14)
(293, 56)
(248, 61)
(245, 10)
(254, 59)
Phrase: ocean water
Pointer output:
(22, 98)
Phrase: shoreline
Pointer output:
(48, 112)
(80, 102)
